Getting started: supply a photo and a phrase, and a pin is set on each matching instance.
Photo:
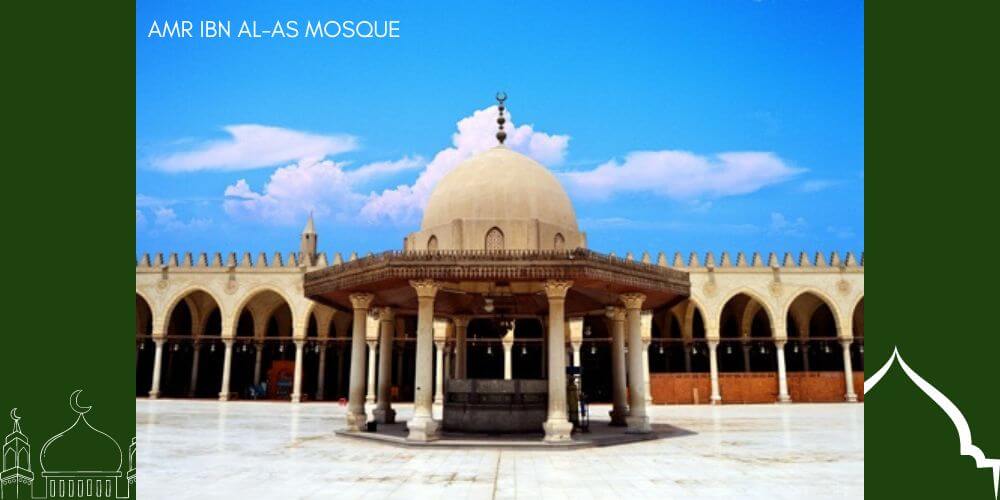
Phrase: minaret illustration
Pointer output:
(16, 476)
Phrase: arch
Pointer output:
(432, 243)
(185, 293)
(22, 459)
(199, 314)
(494, 240)
(858, 319)
(143, 316)
(746, 330)
(253, 294)
(755, 296)
(559, 241)
(823, 297)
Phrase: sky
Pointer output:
(674, 126)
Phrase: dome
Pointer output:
(503, 185)
(81, 448)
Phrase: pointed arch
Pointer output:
(494, 241)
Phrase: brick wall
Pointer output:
(736, 388)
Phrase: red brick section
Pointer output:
(737, 388)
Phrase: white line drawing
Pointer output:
(957, 418)
(68, 475)
(16, 477)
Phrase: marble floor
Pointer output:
(249, 450)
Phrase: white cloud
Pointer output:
(840, 232)
(682, 175)
(781, 225)
(817, 185)
(475, 134)
(293, 191)
(255, 146)
(165, 218)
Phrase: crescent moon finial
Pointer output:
(13, 415)
(501, 97)
(74, 403)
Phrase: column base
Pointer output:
(356, 422)
(618, 417)
(784, 399)
(296, 398)
(369, 399)
(224, 396)
(558, 431)
(153, 395)
(423, 429)
(851, 398)
(716, 400)
(385, 416)
(638, 425)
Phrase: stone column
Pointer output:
(340, 368)
(154, 391)
(746, 355)
(227, 367)
(619, 404)
(687, 357)
(384, 414)
(713, 364)
(372, 352)
(645, 370)
(576, 352)
(508, 346)
(321, 376)
(356, 418)
(193, 389)
(461, 327)
(422, 426)
(297, 380)
(259, 349)
(438, 372)
(447, 362)
(850, 396)
(557, 425)
(783, 396)
(638, 420)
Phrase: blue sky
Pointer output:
(681, 126)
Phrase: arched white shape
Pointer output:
(957, 418)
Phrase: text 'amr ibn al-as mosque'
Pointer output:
(498, 285)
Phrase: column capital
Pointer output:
(440, 343)
(372, 344)
(361, 300)
(780, 343)
(712, 344)
(426, 289)
(460, 321)
(615, 313)
(633, 301)
(299, 343)
(386, 314)
(846, 343)
(557, 289)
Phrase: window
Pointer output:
(432, 244)
(494, 240)
(559, 242)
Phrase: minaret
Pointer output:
(307, 250)
(16, 477)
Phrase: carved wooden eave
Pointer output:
(598, 278)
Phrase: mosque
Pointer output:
(498, 283)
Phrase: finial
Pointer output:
(501, 97)
(16, 419)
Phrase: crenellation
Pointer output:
(277, 260)
(645, 258)
(353, 257)
(835, 260)
(804, 260)
(187, 260)
(741, 259)
(293, 260)
(789, 260)
(231, 259)
(661, 259)
(144, 261)
(247, 261)
(850, 261)
(261, 260)
(217, 259)
(172, 262)
(321, 259)
(709, 259)
(629, 257)
(202, 260)
(725, 261)
(678, 260)
(772, 260)
(820, 260)
(338, 259)
(693, 260)
(757, 260)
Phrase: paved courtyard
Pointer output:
(247, 450)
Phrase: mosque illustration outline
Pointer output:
(65, 472)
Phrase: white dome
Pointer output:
(502, 185)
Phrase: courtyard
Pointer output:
(208, 449)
